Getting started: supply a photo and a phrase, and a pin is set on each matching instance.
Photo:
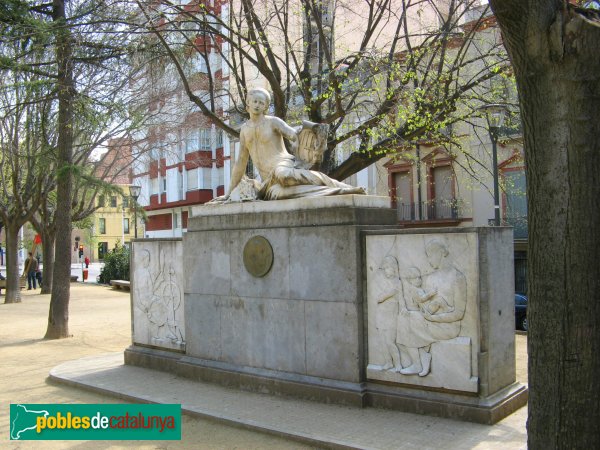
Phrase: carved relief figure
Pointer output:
(417, 298)
(387, 312)
(261, 138)
(441, 306)
(171, 296)
(159, 298)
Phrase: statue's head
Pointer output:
(436, 252)
(413, 276)
(258, 96)
(390, 266)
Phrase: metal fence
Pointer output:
(431, 210)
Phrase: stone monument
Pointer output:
(320, 295)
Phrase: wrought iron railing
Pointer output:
(431, 210)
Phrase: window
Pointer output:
(198, 140)
(101, 201)
(126, 226)
(125, 202)
(205, 139)
(199, 63)
(191, 141)
(442, 201)
(402, 195)
(206, 175)
(102, 225)
(192, 179)
(102, 249)
(219, 138)
(180, 193)
(113, 202)
(164, 184)
(516, 201)
(175, 221)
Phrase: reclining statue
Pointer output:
(283, 175)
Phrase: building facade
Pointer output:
(181, 158)
(112, 223)
(434, 184)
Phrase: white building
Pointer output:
(181, 158)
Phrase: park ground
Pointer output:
(100, 323)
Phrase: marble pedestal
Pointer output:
(302, 328)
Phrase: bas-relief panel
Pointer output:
(157, 294)
(422, 309)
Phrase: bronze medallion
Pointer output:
(258, 256)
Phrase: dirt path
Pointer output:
(100, 323)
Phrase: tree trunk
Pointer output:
(48, 238)
(554, 53)
(13, 289)
(58, 316)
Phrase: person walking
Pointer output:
(87, 262)
(31, 266)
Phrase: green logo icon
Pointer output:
(95, 422)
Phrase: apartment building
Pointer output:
(181, 158)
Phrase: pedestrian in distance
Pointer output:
(87, 262)
(31, 267)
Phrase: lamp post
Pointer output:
(134, 193)
(495, 114)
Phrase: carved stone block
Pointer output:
(422, 309)
(157, 294)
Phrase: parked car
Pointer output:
(521, 312)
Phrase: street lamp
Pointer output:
(134, 193)
(495, 114)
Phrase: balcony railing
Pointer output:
(449, 209)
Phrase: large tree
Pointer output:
(83, 59)
(24, 107)
(553, 45)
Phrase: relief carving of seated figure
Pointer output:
(261, 138)
(441, 304)
(427, 302)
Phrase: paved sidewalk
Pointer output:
(100, 324)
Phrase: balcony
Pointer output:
(446, 210)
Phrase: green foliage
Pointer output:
(116, 265)
(87, 223)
